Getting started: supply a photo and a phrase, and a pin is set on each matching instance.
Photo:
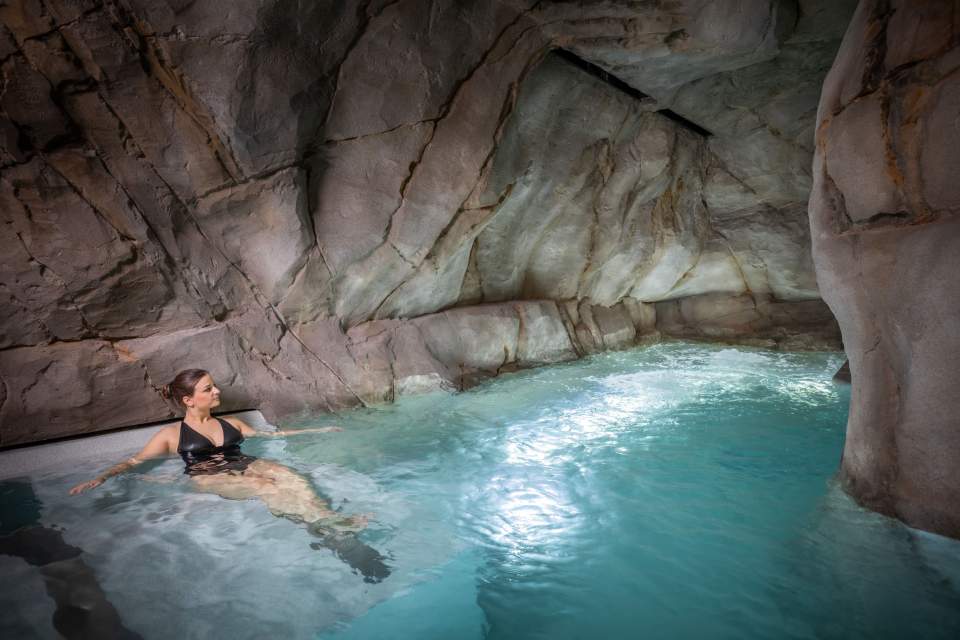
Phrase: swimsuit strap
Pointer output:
(229, 429)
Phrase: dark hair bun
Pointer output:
(182, 385)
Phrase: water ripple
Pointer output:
(680, 491)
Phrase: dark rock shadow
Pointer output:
(82, 608)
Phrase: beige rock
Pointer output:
(543, 338)
(856, 156)
(892, 280)
(615, 326)
(415, 368)
(801, 325)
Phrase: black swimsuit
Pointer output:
(202, 457)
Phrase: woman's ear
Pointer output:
(187, 401)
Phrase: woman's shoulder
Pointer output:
(169, 431)
(239, 425)
(164, 440)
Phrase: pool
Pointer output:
(677, 491)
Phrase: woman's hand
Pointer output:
(297, 432)
(280, 433)
(89, 484)
(163, 442)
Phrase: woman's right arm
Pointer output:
(160, 444)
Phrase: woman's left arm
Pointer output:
(250, 432)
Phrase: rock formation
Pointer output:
(885, 234)
(340, 202)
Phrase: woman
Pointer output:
(210, 448)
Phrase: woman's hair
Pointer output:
(182, 385)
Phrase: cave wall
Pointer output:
(337, 204)
(885, 235)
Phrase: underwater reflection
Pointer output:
(82, 608)
(876, 559)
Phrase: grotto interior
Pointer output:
(353, 201)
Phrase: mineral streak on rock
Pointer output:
(335, 203)
(885, 230)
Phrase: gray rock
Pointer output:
(72, 388)
(169, 129)
(356, 186)
(29, 107)
(263, 227)
(341, 202)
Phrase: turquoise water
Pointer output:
(678, 491)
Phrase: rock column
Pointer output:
(886, 235)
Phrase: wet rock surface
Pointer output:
(346, 202)
(885, 231)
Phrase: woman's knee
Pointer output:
(263, 468)
(228, 486)
(275, 471)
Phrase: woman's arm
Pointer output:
(250, 432)
(159, 445)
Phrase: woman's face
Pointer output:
(205, 396)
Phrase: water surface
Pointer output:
(677, 491)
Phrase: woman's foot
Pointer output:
(335, 523)
(365, 560)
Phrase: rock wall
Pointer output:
(885, 237)
(335, 203)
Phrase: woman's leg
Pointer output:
(289, 495)
(285, 492)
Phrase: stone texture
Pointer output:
(71, 388)
(263, 227)
(858, 156)
(750, 319)
(542, 337)
(337, 203)
(885, 233)
(356, 186)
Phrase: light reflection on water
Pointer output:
(676, 491)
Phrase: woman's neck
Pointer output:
(197, 416)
